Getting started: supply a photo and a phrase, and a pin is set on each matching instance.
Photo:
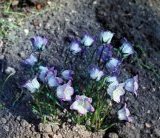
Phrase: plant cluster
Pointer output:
(83, 96)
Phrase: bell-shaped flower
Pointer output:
(131, 84)
(39, 43)
(82, 104)
(127, 48)
(113, 65)
(95, 73)
(104, 53)
(87, 40)
(75, 47)
(124, 114)
(67, 74)
(112, 80)
(106, 37)
(65, 91)
(116, 91)
(32, 85)
(31, 60)
(43, 73)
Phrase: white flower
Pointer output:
(75, 47)
(127, 48)
(131, 84)
(31, 60)
(67, 74)
(87, 40)
(82, 104)
(124, 114)
(112, 80)
(65, 91)
(106, 37)
(116, 91)
(95, 73)
(43, 73)
(113, 64)
(32, 85)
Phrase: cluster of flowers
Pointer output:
(63, 84)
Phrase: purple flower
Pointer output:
(104, 53)
(127, 48)
(82, 104)
(32, 85)
(75, 47)
(87, 40)
(95, 73)
(67, 74)
(39, 43)
(31, 60)
(131, 84)
(116, 91)
(124, 114)
(43, 73)
(65, 91)
(106, 37)
(113, 64)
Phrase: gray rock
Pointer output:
(113, 135)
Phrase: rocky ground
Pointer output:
(137, 20)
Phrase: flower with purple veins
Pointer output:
(65, 91)
(113, 64)
(32, 85)
(87, 40)
(127, 48)
(39, 43)
(124, 114)
(82, 104)
(68, 74)
(95, 73)
(31, 60)
(116, 91)
(131, 84)
(104, 52)
(75, 47)
(106, 37)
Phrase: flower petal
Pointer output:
(87, 40)
(106, 37)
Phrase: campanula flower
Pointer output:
(104, 52)
(95, 73)
(82, 104)
(106, 37)
(116, 91)
(39, 43)
(127, 48)
(131, 84)
(113, 64)
(87, 40)
(43, 73)
(32, 85)
(65, 91)
(124, 114)
(31, 60)
(75, 47)
(112, 80)
(68, 74)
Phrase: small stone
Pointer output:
(6, 128)
(10, 70)
(38, 136)
(22, 54)
(149, 111)
(147, 125)
(45, 135)
(113, 135)
(57, 136)
(3, 120)
(47, 128)
(23, 123)
(26, 31)
(157, 132)
(55, 128)
(18, 118)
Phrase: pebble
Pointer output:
(22, 54)
(6, 128)
(55, 128)
(10, 70)
(147, 125)
(57, 136)
(113, 135)
(3, 120)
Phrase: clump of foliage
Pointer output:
(82, 92)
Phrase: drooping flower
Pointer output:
(116, 91)
(82, 104)
(43, 73)
(65, 91)
(95, 73)
(124, 114)
(75, 47)
(112, 80)
(106, 37)
(104, 53)
(39, 43)
(68, 74)
(31, 60)
(32, 85)
(87, 40)
(131, 84)
(113, 65)
(127, 48)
